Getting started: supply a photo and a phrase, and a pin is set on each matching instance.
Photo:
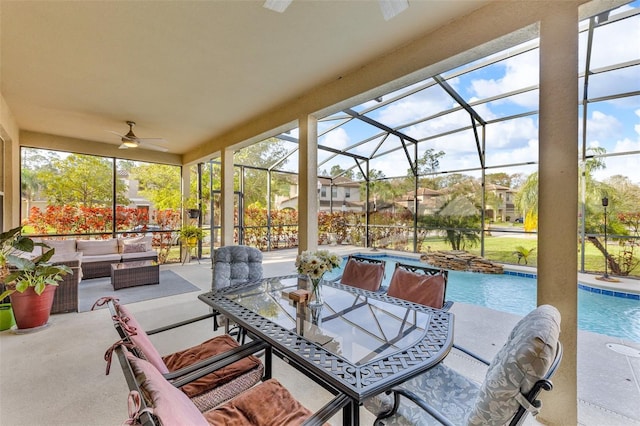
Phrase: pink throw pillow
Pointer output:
(142, 341)
(423, 289)
(170, 405)
(367, 276)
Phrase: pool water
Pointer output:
(609, 315)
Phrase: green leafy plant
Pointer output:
(190, 231)
(523, 253)
(19, 272)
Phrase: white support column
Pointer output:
(186, 192)
(226, 199)
(308, 184)
(558, 197)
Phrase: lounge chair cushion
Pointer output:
(141, 340)
(418, 288)
(205, 350)
(364, 275)
(524, 359)
(268, 404)
(170, 405)
(452, 393)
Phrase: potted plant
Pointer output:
(10, 242)
(30, 283)
(190, 235)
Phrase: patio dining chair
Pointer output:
(235, 265)
(363, 273)
(519, 371)
(155, 401)
(238, 369)
(420, 284)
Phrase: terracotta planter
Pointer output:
(31, 310)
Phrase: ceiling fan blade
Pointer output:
(153, 147)
(277, 5)
(151, 140)
(391, 8)
(123, 146)
(116, 133)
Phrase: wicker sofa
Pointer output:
(98, 255)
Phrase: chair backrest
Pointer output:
(420, 284)
(236, 264)
(363, 273)
(130, 330)
(521, 367)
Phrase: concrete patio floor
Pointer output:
(57, 376)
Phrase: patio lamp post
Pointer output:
(605, 203)
(373, 237)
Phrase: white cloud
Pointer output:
(519, 72)
(337, 138)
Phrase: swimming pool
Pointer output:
(609, 315)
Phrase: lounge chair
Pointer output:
(238, 369)
(363, 273)
(519, 371)
(155, 401)
(420, 284)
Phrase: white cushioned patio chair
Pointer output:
(519, 371)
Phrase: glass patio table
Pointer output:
(358, 343)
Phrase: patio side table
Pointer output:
(133, 274)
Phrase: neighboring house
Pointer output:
(341, 194)
(504, 208)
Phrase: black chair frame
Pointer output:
(199, 369)
(146, 418)
(520, 415)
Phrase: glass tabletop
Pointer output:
(349, 324)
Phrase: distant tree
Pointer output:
(262, 155)
(501, 178)
(82, 180)
(159, 183)
(336, 170)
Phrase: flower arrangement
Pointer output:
(316, 263)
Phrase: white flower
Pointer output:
(316, 263)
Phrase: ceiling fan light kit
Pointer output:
(130, 140)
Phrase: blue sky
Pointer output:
(612, 124)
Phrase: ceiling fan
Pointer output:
(389, 8)
(130, 140)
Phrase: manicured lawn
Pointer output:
(501, 248)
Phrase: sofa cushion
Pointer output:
(147, 240)
(134, 248)
(61, 246)
(152, 255)
(113, 258)
(98, 247)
